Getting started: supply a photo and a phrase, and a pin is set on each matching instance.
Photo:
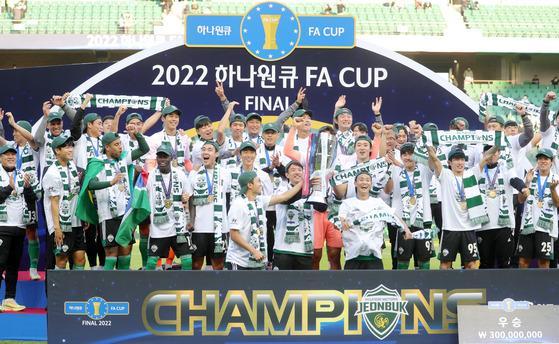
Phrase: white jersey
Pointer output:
(87, 148)
(239, 219)
(454, 218)
(425, 175)
(129, 145)
(536, 211)
(167, 229)
(365, 239)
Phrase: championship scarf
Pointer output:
(415, 180)
(333, 209)
(506, 154)
(71, 188)
(491, 99)
(26, 165)
(376, 168)
(91, 151)
(427, 233)
(367, 222)
(257, 239)
(545, 220)
(476, 207)
(299, 214)
(555, 142)
(201, 194)
(466, 137)
(113, 101)
(346, 141)
(499, 188)
(421, 155)
(25, 160)
(28, 216)
(160, 215)
(177, 148)
(50, 157)
(265, 161)
(116, 168)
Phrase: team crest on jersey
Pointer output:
(381, 309)
(110, 238)
(65, 248)
(401, 250)
(154, 248)
(520, 248)
(445, 252)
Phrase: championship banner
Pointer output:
(379, 216)
(467, 137)
(375, 168)
(281, 306)
(112, 101)
(492, 99)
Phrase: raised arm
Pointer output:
(289, 147)
(121, 110)
(434, 162)
(2, 139)
(143, 147)
(59, 100)
(289, 194)
(42, 125)
(528, 133)
(339, 104)
(221, 94)
(376, 105)
(487, 156)
(223, 123)
(27, 135)
(545, 123)
(284, 116)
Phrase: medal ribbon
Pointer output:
(19, 158)
(70, 196)
(540, 188)
(238, 157)
(210, 185)
(490, 182)
(96, 151)
(411, 184)
(167, 191)
(460, 189)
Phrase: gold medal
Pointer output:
(463, 206)
(412, 200)
(14, 193)
(120, 187)
(492, 194)
(168, 203)
(175, 163)
(210, 199)
(540, 203)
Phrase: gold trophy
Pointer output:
(96, 306)
(270, 23)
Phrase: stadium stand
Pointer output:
(102, 17)
(514, 20)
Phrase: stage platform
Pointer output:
(31, 323)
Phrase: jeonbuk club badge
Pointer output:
(270, 31)
(381, 309)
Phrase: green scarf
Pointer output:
(302, 212)
(118, 168)
(71, 186)
(346, 141)
(90, 151)
(405, 191)
(499, 188)
(466, 137)
(50, 157)
(201, 193)
(114, 101)
(491, 99)
(177, 148)
(545, 220)
(476, 207)
(160, 215)
(257, 239)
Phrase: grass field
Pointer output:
(136, 261)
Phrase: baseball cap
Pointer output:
(496, 119)
(293, 162)
(254, 115)
(456, 153)
(545, 152)
(54, 115)
(109, 137)
(166, 149)
(200, 118)
(247, 144)
(270, 126)
(245, 178)
(60, 140)
(363, 138)
(134, 115)
(301, 112)
(407, 148)
(342, 110)
(213, 143)
(6, 148)
(430, 127)
(237, 117)
(511, 122)
(171, 108)
(25, 125)
(89, 118)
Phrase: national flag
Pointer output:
(137, 210)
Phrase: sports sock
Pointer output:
(78, 267)
(110, 263)
(403, 264)
(152, 262)
(186, 262)
(124, 262)
(424, 264)
(34, 248)
(144, 249)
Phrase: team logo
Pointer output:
(1, 242)
(96, 308)
(381, 309)
(401, 249)
(479, 240)
(270, 31)
(65, 248)
(520, 248)
(154, 248)
(445, 252)
(111, 238)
